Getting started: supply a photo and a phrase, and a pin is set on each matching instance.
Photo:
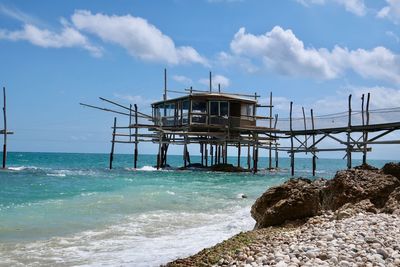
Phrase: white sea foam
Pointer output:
(148, 239)
(22, 168)
(147, 168)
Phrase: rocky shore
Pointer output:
(350, 220)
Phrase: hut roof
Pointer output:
(211, 96)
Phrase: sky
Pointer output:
(56, 54)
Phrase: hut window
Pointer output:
(247, 111)
(199, 107)
(223, 109)
(219, 108)
(214, 108)
(185, 111)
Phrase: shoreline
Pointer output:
(351, 220)
(325, 240)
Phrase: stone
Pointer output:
(349, 209)
(352, 186)
(382, 252)
(295, 199)
(392, 169)
(392, 205)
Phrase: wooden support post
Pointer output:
(136, 138)
(5, 129)
(130, 122)
(216, 155)
(210, 81)
(188, 156)
(248, 155)
(238, 158)
(305, 129)
(276, 144)
(113, 143)
(348, 149)
(212, 154)
(226, 153)
(365, 149)
(206, 154)
(201, 154)
(314, 158)
(291, 141)
(270, 126)
(219, 154)
(185, 155)
(165, 85)
(255, 154)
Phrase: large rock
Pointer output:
(295, 199)
(352, 186)
(392, 205)
(392, 169)
(349, 192)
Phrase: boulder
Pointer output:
(350, 209)
(295, 199)
(392, 205)
(392, 169)
(366, 167)
(226, 168)
(352, 186)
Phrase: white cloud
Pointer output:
(140, 38)
(281, 51)
(68, 37)
(223, 81)
(18, 15)
(356, 7)
(182, 79)
(391, 11)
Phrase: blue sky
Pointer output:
(55, 54)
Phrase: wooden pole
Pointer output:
(239, 151)
(365, 150)
(206, 154)
(291, 141)
(276, 144)
(202, 154)
(216, 155)
(270, 126)
(314, 158)
(185, 154)
(165, 85)
(226, 153)
(305, 129)
(136, 138)
(130, 122)
(159, 155)
(113, 143)
(5, 129)
(248, 154)
(212, 154)
(255, 154)
(210, 81)
(348, 150)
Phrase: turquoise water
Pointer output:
(69, 209)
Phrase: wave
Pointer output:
(148, 239)
(22, 168)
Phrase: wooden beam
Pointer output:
(112, 144)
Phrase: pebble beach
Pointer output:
(365, 239)
(351, 220)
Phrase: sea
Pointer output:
(64, 209)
